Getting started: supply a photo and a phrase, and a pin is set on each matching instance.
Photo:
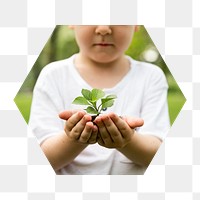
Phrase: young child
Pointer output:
(117, 142)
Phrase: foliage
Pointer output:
(23, 102)
(92, 98)
(176, 101)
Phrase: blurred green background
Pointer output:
(62, 45)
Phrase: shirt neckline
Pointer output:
(84, 83)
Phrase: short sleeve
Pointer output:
(154, 105)
(46, 105)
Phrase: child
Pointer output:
(111, 144)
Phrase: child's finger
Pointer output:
(79, 127)
(121, 125)
(103, 131)
(134, 122)
(93, 137)
(67, 114)
(73, 120)
(100, 141)
(85, 135)
(112, 129)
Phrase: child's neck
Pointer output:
(102, 75)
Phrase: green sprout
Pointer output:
(95, 100)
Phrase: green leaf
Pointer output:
(87, 94)
(91, 110)
(111, 96)
(80, 101)
(108, 98)
(107, 103)
(97, 94)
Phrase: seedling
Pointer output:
(95, 101)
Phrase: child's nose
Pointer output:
(103, 30)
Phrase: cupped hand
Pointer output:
(78, 127)
(115, 131)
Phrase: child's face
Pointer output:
(103, 44)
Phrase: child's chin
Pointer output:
(104, 59)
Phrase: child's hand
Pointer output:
(114, 131)
(79, 127)
(67, 114)
(133, 122)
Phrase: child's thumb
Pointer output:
(134, 122)
(66, 114)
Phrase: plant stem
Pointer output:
(95, 106)
(99, 110)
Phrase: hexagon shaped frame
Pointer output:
(55, 44)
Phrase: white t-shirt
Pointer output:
(141, 93)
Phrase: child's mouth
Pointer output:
(104, 44)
